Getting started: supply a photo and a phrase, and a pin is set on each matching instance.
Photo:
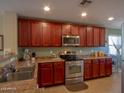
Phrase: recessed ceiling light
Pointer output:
(84, 14)
(46, 8)
(111, 18)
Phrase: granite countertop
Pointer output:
(21, 85)
(45, 60)
(89, 57)
(30, 84)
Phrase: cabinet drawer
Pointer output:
(59, 63)
(45, 65)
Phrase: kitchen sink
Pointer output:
(21, 74)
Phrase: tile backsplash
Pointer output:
(46, 51)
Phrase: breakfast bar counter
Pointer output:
(24, 86)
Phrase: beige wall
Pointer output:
(8, 27)
(1, 31)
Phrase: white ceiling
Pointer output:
(70, 10)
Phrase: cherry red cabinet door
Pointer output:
(82, 33)
(96, 35)
(56, 35)
(108, 66)
(45, 74)
(36, 33)
(66, 29)
(46, 34)
(95, 68)
(74, 30)
(87, 69)
(102, 36)
(102, 71)
(59, 72)
(89, 36)
(24, 39)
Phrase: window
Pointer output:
(114, 43)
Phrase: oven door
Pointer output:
(74, 69)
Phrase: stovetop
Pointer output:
(71, 57)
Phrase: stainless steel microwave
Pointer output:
(68, 40)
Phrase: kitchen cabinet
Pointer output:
(102, 71)
(96, 36)
(102, 36)
(46, 34)
(82, 33)
(68, 29)
(36, 33)
(65, 29)
(95, 68)
(51, 73)
(45, 74)
(56, 35)
(24, 34)
(89, 36)
(74, 30)
(108, 66)
(87, 69)
(59, 72)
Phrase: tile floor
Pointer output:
(110, 84)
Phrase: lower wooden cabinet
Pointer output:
(50, 74)
(96, 68)
(108, 66)
(45, 74)
(102, 70)
(87, 69)
(59, 72)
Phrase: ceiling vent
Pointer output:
(85, 3)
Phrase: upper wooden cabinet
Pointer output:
(65, 29)
(96, 36)
(24, 34)
(68, 29)
(82, 33)
(89, 36)
(46, 34)
(74, 30)
(36, 33)
(51, 34)
(102, 36)
(56, 35)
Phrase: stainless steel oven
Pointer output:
(74, 71)
(73, 67)
(68, 40)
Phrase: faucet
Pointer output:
(53, 54)
(12, 68)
